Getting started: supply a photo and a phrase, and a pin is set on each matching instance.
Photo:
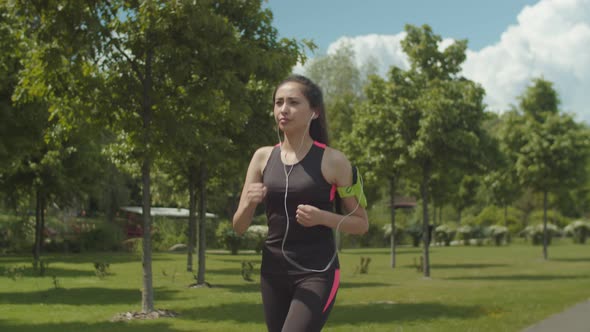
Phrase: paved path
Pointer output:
(574, 319)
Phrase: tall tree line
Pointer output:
(95, 89)
(425, 131)
(173, 81)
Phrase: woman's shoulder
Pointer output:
(261, 156)
(337, 167)
(262, 153)
(264, 150)
(334, 156)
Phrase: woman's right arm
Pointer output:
(253, 191)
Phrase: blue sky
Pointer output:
(324, 21)
(511, 42)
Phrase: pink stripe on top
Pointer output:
(318, 144)
(333, 193)
(334, 289)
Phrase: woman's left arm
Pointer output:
(337, 170)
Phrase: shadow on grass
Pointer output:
(13, 259)
(251, 287)
(238, 259)
(81, 296)
(237, 271)
(227, 256)
(153, 326)
(243, 312)
(83, 258)
(363, 284)
(521, 277)
(398, 251)
(400, 313)
(462, 266)
(343, 314)
(51, 271)
(254, 286)
(571, 260)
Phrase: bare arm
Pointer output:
(337, 170)
(253, 191)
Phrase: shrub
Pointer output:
(464, 232)
(535, 233)
(17, 234)
(134, 245)
(102, 269)
(247, 270)
(415, 231)
(498, 233)
(578, 230)
(445, 233)
(168, 232)
(228, 237)
(15, 272)
(255, 236)
(103, 237)
(399, 232)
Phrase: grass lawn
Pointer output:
(470, 289)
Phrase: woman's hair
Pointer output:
(319, 127)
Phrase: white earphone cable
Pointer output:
(290, 260)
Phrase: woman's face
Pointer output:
(291, 108)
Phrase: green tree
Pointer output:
(40, 158)
(228, 113)
(539, 99)
(501, 181)
(443, 115)
(384, 156)
(550, 149)
(465, 196)
(444, 187)
(149, 56)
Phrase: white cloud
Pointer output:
(551, 39)
(386, 50)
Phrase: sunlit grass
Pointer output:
(470, 289)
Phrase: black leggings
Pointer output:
(298, 303)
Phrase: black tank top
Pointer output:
(311, 247)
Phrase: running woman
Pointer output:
(297, 181)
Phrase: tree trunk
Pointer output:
(392, 237)
(508, 235)
(42, 228)
(147, 298)
(147, 295)
(433, 212)
(426, 226)
(545, 235)
(192, 205)
(201, 227)
(37, 244)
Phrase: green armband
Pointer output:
(356, 189)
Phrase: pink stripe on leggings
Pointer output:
(334, 289)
